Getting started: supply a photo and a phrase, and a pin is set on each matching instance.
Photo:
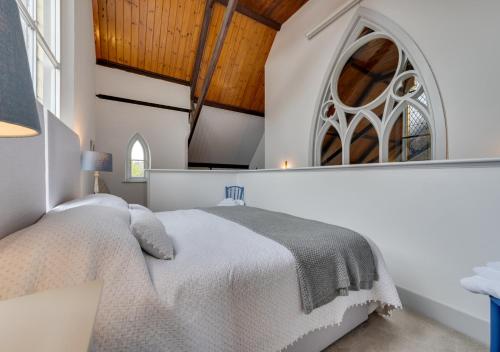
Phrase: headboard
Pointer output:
(22, 181)
(27, 164)
(63, 164)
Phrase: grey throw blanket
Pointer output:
(330, 260)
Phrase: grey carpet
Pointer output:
(404, 332)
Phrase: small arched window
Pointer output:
(138, 159)
(380, 101)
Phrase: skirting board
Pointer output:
(473, 327)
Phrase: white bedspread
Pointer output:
(228, 289)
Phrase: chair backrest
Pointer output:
(235, 192)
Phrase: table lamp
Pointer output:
(96, 162)
(18, 112)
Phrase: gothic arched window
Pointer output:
(380, 102)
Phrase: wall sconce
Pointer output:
(285, 165)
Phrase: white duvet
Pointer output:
(228, 289)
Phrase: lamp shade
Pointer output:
(97, 161)
(18, 112)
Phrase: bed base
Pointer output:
(317, 341)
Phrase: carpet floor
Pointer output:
(404, 332)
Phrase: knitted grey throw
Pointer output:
(330, 260)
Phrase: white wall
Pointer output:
(22, 182)
(183, 189)
(458, 38)
(132, 86)
(259, 157)
(165, 131)
(225, 137)
(77, 74)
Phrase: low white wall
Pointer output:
(433, 221)
(186, 189)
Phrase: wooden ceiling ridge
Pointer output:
(228, 16)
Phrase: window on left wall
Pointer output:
(138, 159)
(40, 20)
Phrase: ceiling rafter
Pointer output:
(207, 17)
(228, 16)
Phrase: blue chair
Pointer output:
(495, 325)
(235, 192)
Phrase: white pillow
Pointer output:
(230, 202)
(150, 233)
(103, 199)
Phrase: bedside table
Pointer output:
(53, 320)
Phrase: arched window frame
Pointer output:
(147, 158)
(382, 27)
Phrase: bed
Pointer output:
(228, 288)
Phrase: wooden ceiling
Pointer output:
(174, 40)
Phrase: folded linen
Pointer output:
(230, 202)
(486, 282)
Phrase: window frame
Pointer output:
(147, 159)
(353, 39)
(35, 40)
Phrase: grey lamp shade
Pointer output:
(96, 161)
(18, 113)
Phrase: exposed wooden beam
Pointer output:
(214, 104)
(143, 103)
(254, 15)
(228, 16)
(138, 71)
(201, 45)
(218, 166)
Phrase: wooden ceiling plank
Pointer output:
(239, 72)
(257, 81)
(185, 28)
(111, 13)
(134, 45)
(191, 31)
(238, 77)
(170, 37)
(228, 15)
(163, 35)
(103, 28)
(119, 30)
(143, 19)
(150, 33)
(157, 32)
(213, 30)
(226, 61)
(249, 65)
(202, 41)
(177, 37)
(127, 31)
(97, 38)
(199, 11)
(246, 11)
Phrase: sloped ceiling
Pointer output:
(162, 37)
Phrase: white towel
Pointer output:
(230, 202)
(486, 282)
